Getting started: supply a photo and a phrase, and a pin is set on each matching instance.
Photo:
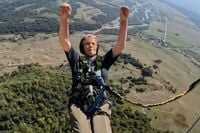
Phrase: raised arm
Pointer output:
(65, 11)
(121, 41)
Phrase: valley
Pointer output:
(174, 63)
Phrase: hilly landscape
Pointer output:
(158, 72)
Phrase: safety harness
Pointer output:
(87, 67)
(90, 89)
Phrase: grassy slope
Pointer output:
(177, 23)
(175, 68)
(179, 115)
(89, 12)
(154, 26)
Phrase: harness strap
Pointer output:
(91, 86)
(98, 63)
(85, 67)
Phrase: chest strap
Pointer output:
(87, 68)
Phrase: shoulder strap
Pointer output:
(82, 62)
(98, 63)
(83, 67)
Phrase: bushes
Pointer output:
(147, 71)
(34, 99)
(37, 98)
(127, 120)
(127, 59)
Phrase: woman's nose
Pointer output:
(90, 44)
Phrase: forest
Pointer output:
(35, 98)
(42, 16)
(13, 17)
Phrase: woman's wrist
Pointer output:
(124, 21)
(64, 18)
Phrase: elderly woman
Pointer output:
(89, 104)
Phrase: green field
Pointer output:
(154, 27)
(177, 41)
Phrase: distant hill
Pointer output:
(35, 16)
(26, 16)
(42, 15)
(192, 5)
(189, 8)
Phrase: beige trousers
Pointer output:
(99, 123)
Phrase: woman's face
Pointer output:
(90, 45)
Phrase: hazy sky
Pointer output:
(193, 5)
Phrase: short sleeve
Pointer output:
(72, 57)
(108, 59)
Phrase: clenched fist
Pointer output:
(124, 13)
(65, 10)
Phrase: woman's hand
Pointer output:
(65, 10)
(124, 13)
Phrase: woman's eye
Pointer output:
(87, 44)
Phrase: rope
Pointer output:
(192, 86)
